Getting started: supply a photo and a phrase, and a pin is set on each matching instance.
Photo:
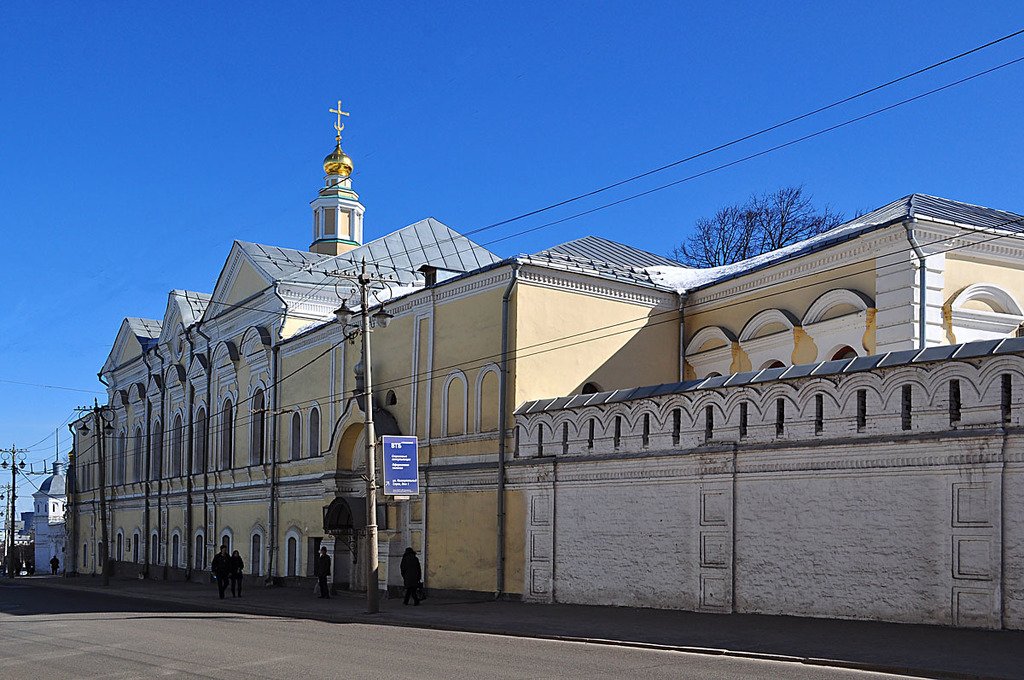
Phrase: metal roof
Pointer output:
(401, 253)
(841, 366)
(146, 330)
(279, 262)
(597, 249)
(191, 304)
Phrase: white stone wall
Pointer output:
(923, 525)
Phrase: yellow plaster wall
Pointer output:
(247, 282)
(461, 538)
(642, 350)
(962, 273)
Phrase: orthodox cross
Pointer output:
(339, 126)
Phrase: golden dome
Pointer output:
(338, 163)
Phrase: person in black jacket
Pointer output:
(322, 571)
(412, 574)
(237, 565)
(221, 568)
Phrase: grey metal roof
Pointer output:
(53, 485)
(595, 248)
(596, 256)
(840, 366)
(279, 262)
(191, 304)
(401, 253)
(146, 330)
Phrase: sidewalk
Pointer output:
(925, 651)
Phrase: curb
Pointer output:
(384, 620)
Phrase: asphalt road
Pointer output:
(52, 634)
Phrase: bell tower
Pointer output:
(337, 212)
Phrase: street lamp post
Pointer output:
(14, 457)
(103, 427)
(344, 315)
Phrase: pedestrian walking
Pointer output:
(412, 574)
(237, 567)
(54, 565)
(322, 571)
(221, 568)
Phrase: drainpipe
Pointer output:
(206, 445)
(502, 422)
(682, 336)
(191, 448)
(922, 274)
(272, 520)
(144, 473)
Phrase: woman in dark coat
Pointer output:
(412, 574)
(237, 565)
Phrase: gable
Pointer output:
(126, 347)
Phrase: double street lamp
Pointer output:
(13, 458)
(345, 316)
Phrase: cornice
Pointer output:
(842, 254)
(595, 286)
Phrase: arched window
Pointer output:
(119, 554)
(314, 432)
(453, 405)
(200, 551)
(156, 456)
(176, 439)
(591, 388)
(175, 548)
(199, 446)
(775, 363)
(296, 443)
(845, 352)
(137, 455)
(154, 549)
(257, 429)
(227, 435)
(293, 557)
(85, 555)
(256, 555)
(135, 547)
(390, 399)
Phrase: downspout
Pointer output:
(272, 520)
(502, 426)
(922, 274)
(206, 445)
(188, 472)
(161, 533)
(144, 474)
(682, 336)
(107, 526)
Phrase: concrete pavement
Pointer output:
(924, 651)
(62, 633)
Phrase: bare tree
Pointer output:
(763, 223)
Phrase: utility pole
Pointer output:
(11, 457)
(381, 318)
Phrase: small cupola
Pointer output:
(337, 212)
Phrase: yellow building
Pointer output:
(234, 418)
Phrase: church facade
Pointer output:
(237, 418)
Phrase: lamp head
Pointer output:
(343, 314)
(382, 318)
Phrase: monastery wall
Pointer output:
(893, 494)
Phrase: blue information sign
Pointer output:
(401, 466)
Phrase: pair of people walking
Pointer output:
(228, 569)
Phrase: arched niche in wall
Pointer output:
(838, 319)
(983, 311)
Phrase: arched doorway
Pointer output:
(343, 519)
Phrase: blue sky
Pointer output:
(137, 140)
